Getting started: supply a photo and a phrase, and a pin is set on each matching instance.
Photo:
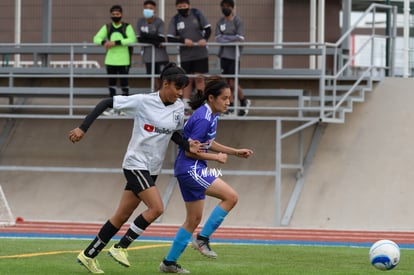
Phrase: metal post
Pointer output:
(278, 32)
(17, 29)
(46, 27)
(387, 42)
(406, 37)
(278, 176)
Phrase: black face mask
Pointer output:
(226, 11)
(183, 12)
(116, 19)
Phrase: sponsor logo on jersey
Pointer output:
(151, 128)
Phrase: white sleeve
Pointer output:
(128, 104)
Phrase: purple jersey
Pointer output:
(201, 126)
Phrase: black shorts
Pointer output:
(195, 66)
(159, 66)
(228, 66)
(138, 180)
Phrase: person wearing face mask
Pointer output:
(229, 29)
(190, 27)
(116, 37)
(150, 30)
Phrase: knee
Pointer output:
(157, 211)
(232, 199)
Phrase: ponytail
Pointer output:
(214, 86)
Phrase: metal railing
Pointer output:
(321, 107)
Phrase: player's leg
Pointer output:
(142, 185)
(127, 205)
(200, 67)
(111, 70)
(123, 72)
(228, 196)
(182, 238)
(186, 66)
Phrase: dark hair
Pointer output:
(182, 2)
(227, 2)
(214, 86)
(173, 73)
(116, 8)
(150, 2)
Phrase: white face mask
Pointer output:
(148, 13)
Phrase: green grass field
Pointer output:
(56, 256)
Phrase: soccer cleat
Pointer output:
(91, 264)
(204, 247)
(173, 268)
(246, 103)
(120, 255)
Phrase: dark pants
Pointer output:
(120, 70)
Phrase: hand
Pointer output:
(202, 42)
(109, 44)
(196, 146)
(222, 158)
(188, 42)
(76, 135)
(244, 153)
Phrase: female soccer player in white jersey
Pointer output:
(157, 118)
(196, 180)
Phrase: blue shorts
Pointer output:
(193, 185)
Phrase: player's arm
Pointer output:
(77, 134)
(241, 153)
(219, 157)
(100, 36)
(188, 145)
(131, 38)
(154, 39)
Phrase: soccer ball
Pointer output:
(384, 254)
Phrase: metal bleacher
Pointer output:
(337, 86)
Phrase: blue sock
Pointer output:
(181, 240)
(213, 222)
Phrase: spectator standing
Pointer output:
(115, 37)
(190, 27)
(151, 30)
(229, 29)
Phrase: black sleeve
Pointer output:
(97, 111)
(207, 33)
(178, 139)
(175, 39)
(156, 40)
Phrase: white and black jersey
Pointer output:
(154, 124)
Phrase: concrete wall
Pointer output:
(360, 178)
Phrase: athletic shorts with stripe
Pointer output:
(194, 184)
(139, 180)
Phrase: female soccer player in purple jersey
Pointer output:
(195, 178)
(157, 118)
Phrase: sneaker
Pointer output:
(120, 255)
(173, 268)
(204, 247)
(109, 112)
(246, 103)
(91, 264)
